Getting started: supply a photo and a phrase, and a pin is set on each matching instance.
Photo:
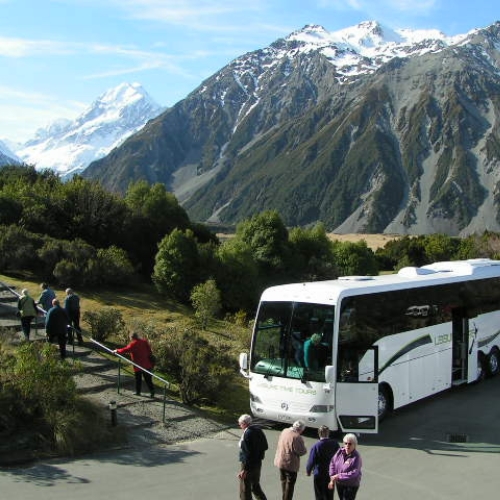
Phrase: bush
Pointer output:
(199, 369)
(103, 323)
(206, 300)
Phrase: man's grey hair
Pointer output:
(245, 419)
(298, 426)
(324, 431)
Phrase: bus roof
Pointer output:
(329, 292)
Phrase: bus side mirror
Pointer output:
(329, 374)
(243, 363)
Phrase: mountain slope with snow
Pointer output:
(7, 157)
(366, 129)
(68, 147)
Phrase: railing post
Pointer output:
(112, 408)
(164, 402)
(119, 374)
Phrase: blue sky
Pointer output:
(58, 56)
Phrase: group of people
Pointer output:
(61, 322)
(333, 467)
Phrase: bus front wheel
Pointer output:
(493, 363)
(481, 367)
(384, 402)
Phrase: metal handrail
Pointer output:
(166, 383)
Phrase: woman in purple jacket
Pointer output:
(345, 469)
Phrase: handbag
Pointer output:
(152, 358)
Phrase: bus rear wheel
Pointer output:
(384, 402)
(493, 363)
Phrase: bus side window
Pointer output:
(347, 325)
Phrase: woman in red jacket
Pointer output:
(140, 353)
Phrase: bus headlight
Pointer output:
(254, 398)
(321, 408)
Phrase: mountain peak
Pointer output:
(68, 147)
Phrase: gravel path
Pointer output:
(147, 421)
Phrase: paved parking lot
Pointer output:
(445, 447)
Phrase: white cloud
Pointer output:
(420, 6)
(23, 112)
(19, 47)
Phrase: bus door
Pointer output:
(356, 393)
(464, 357)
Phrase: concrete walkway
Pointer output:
(416, 456)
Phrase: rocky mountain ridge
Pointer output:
(366, 130)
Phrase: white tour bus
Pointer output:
(343, 353)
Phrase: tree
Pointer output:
(206, 300)
(154, 213)
(111, 266)
(312, 254)
(354, 258)
(267, 238)
(176, 267)
(237, 276)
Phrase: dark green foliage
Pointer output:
(206, 300)
(154, 213)
(200, 370)
(422, 250)
(104, 323)
(18, 248)
(176, 269)
(37, 391)
(312, 254)
(354, 259)
(267, 238)
(237, 276)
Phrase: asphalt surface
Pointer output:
(445, 447)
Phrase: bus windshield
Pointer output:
(293, 340)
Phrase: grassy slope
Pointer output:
(141, 304)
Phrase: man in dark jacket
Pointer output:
(253, 445)
(56, 326)
(319, 462)
(72, 308)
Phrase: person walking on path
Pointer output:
(253, 446)
(345, 469)
(72, 308)
(318, 463)
(46, 297)
(27, 311)
(290, 448)
(56, 326)
(140, 353)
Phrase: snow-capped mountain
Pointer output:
(366, 129)
(7, 157)
(68, 147)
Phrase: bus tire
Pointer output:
(384, 402)
(492, 363)
(481, 367)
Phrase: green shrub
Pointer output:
(206, 300)
(103, 323)
(199, 369)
